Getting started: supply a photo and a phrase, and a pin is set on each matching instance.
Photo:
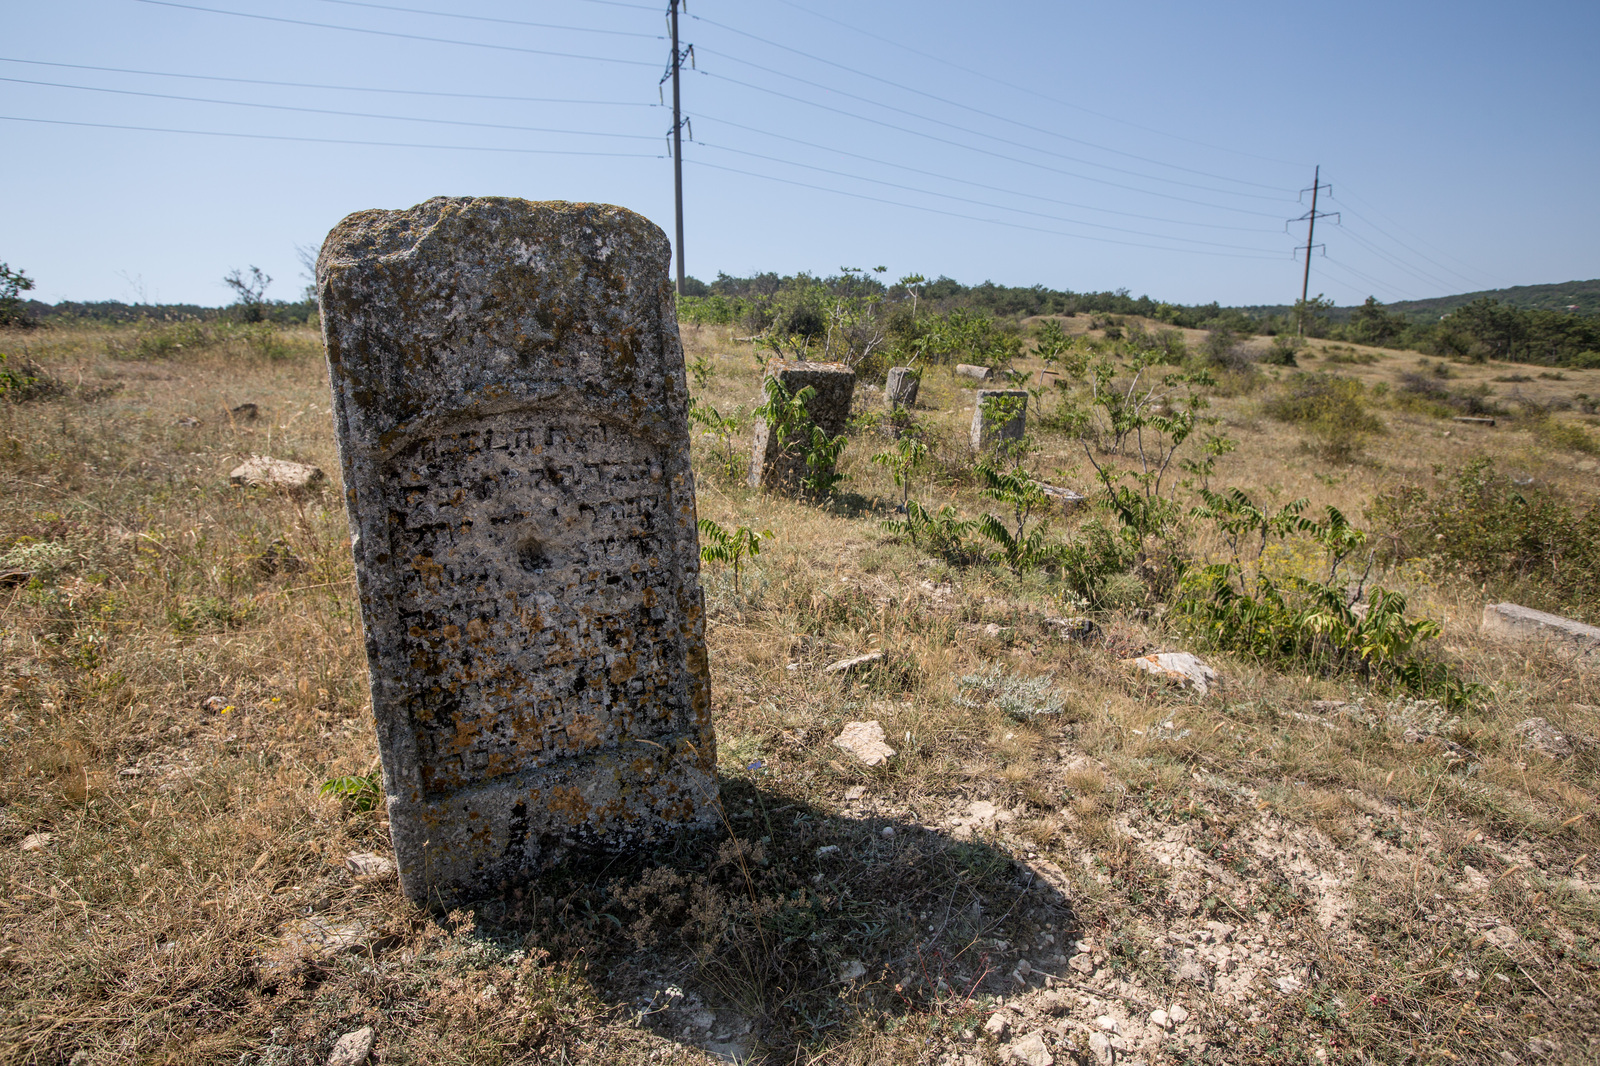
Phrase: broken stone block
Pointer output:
(1524, 625)
(864, 740)
(511, 409)
(999, 415)
(263, 471)
(901, 390)
(779, 466)
(848, 666)
(1180, 667)
(977, 373)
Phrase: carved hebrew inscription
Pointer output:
(533, 599)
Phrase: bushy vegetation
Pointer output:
(1521, 542)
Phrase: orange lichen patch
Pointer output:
(568, 800)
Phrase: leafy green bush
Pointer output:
(1313, 621)
(1520, 542)
(1332, 408)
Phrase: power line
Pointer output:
(1368, 278)
(977, 111)
(333, 140)
(978, 203)
(486, 18)
(972, 218)
(1421, 275)
(1033, 92)
(340, 88)
(1419, 254)
(974, 184)
(328, 111)
(987, 152)
(401, 36)
(980, 133)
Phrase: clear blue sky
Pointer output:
(1019, 142)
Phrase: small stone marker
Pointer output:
(509, 395)
(1522, 625)
(263, 471)
(979, 373)
(990, 424)
(779, 468)
(1469, 420)
(901, 389)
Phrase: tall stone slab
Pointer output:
(779, 468)
(509, 395)
(999, 415)
(900, 390)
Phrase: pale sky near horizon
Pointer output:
(1154, 146)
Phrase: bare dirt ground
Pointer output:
(1063, 860)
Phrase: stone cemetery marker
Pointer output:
(990, 424)
(509, 395)
(901, 390)
(779, 468)
(979, 373)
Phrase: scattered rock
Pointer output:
(1100, 1046)
(1540, 1048)
(998, 1025)
(1179, 667)
(864, 740)
(311, 940)
(1083, 962)
(1178, 1013)
(215, 704)
(1030, 1050)
(855, 792)
(992, 629)
(1161, 1019)
(265, 471)
(369, 866)
(851, 970)
(1106, 1023)
(979, 373)
(188, 422)
(703, 1019)
(1194, 973)
(1067, 498)
(845, 666)
(1073, 628)
(352, 1048)
(245, 412)
(37, 841)
(1539, 735)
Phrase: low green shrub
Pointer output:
(1330, 407)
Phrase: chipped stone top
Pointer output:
(591, 324)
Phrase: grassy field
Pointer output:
(1307, 865)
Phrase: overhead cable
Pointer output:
(328, 111)
(335, 140)
(973, 218)
(988, 152)
(1034, 92)
(340, 88)
(968, 107)
(499, 21)
(401, 36)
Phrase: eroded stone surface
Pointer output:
(510, 402)
(977, 373)
(998, 415)
(1180, 667)
(260, 471)
(779, 468)
(901, 388)
(864, 740)
(1511, 622)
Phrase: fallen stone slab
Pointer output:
(369, 866)
(846, 666)
(1180, 667)
(36, 841)
(315, 940)
(263, 471)
(978, 373)
(1471, 421)
(1067, 498)
(864, 740)
(1523, 625)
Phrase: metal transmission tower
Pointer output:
(675, 143)
(1310, 217)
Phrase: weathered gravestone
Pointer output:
(1000, 415)
(509, 395)
(779, 466)
(901, 388)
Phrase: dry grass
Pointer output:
(1380, 899)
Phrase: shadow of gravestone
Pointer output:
(781, 929)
